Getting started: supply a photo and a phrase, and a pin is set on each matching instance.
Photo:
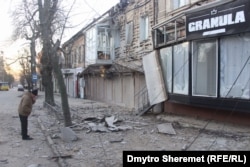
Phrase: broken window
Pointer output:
(103, 42)
(235, 66)
(175, 66)
(166, 64)
(171, 31)
(180, 68)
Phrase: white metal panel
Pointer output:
(71, 86)
(154, 79)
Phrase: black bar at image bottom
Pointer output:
(185, 158)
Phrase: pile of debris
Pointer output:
(103, 124)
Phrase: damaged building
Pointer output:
(203, 47)
(178, 56)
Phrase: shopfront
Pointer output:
(211, 67)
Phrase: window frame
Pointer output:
(174, 73)
(168, 80)
(237, 80)
(144, 28)
(104, 42)
(117, 38)
(173, 79)
(176, 4)
(129, 33)
(217, 69)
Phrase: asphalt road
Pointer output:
(9, 101)
(16, 152)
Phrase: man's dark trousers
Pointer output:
(24, 125)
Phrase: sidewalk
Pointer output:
(16, 152)
(105, 148)
(185, 121)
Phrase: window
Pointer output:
(144, 27)
(72, 59)
(79, 55)
(117, 38)
(235, 67)
(180, 70)
(83, 53)
(170, 32)
(104, 39)
(175, 65)
(129, 33)
(205, 68)
(166, 63)
(75, 59)
(179, 3)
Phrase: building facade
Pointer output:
(74, 63)
(115, 45)
(186, 56)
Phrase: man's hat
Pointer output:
(34, 92)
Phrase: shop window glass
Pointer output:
(180, 69)
(235, 67)
(205, 68)
(166, 63)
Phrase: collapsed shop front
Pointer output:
(210, 68)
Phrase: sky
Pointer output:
(84, 12)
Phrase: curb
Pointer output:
(61, 162)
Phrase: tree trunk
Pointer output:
(48, 84)
(64, 96)
(47, 75)
(49, 58)
(45, 16)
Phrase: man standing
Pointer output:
(24, 110)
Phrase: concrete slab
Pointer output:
(67, 134)
(166, 128)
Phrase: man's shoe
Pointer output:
(27, 138)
